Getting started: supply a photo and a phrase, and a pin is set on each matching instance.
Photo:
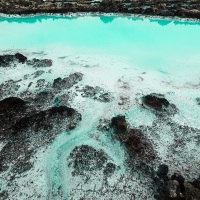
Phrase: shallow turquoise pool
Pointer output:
(163, 45)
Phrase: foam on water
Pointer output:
(127, 56)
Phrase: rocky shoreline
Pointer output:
(33, 118)
(174, 8)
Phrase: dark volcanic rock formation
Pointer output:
(23, 130)
(11, 109)
(176, 187)
(9, 88)
(85, 159)
(67, 82)
(43, 119)
(163, 171)
(17, 117)
(137, 144)
(96, 93)
(40, 63)
(184, 8)
(21, 58)
(159, 103)
(119, 123)
(6, 60)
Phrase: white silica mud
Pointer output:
(122, 59)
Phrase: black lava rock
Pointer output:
(155, 101)
(119, 123)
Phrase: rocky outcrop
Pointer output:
(67, 82)
(119, 124)
(138, 146)
(17, 117)
(159, 104)
(184, 8)
(175, 187)
(40, 63)
(6, 60)
(11, 109)
(43, 119)
(191, 192)
(95, 93)
(85, 159)
(24, 129)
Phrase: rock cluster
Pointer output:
(84, 159)
(9, 59)
(67, 82)
(137, 144)
(159, 104)
(184, 8)
(23, 128)
(31, 119)
(95, 93)
(6, 60)
(175, 187)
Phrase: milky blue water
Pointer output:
(156, 44)
(128, 57)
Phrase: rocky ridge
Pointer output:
(178, 8)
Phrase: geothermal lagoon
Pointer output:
(98, 70)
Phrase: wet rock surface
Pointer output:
(119, 124)
(85, 159)
(159, 104)
(67, 82)
(191, 192)
(95, 93)
(40, 63)
(137, 144)
(163, 172)
(23, 129)
(43, 119)
(7, 60)
(31, 117)
(9, 88)
(11, 109)
(176, 187)
(161, 8)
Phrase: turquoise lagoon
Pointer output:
(127, 56)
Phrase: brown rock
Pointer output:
(191, 193)
(119, 123)
(155, 101)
